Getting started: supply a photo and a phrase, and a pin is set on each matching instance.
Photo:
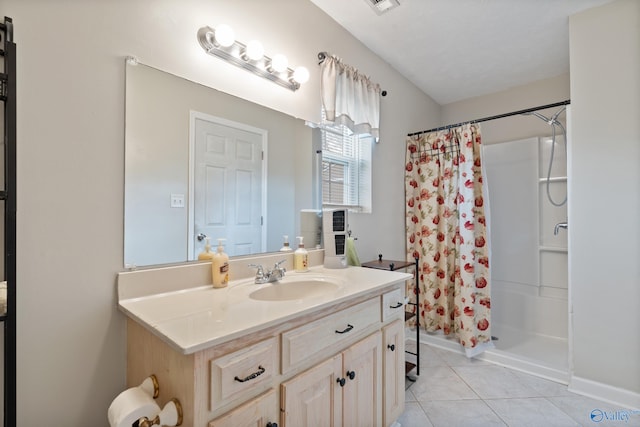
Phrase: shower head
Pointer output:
(554, 118)
(550, 121)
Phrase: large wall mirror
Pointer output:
(200, 162)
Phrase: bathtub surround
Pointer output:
(446, 229)
(529, 262)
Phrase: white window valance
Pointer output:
(349, 97)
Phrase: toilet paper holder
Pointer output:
(136, 407)
(171, 415)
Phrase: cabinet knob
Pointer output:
(342, 382)
(351, 374)
(391, 347)
(272, 424)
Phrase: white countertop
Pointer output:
(197, 318)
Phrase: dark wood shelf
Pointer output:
(386, 264)
(408, 367)
(408, 315)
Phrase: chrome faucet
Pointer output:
(560, 225)
(271, 275)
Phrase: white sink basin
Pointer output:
(296, 289)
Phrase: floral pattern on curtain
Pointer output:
(446, 229)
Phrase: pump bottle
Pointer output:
(207, 255)
(285, 246)
(301, 257)
(220, 266)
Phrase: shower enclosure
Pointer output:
(529, 255)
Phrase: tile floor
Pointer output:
(455, 391)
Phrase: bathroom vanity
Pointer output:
(324, 347)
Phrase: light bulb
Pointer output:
(301, 75)
(225, 36)
(254, 50)
(279, 62)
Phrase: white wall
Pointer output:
(604, 232)
(71, 338)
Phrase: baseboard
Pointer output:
(625, 399)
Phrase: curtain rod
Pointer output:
(499, 116)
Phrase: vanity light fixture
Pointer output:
(221, 42)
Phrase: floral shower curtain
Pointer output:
(446, 229)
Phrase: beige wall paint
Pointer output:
(71, 342)
(604, 194)
(71, 338)
(513, 128)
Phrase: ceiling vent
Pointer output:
(382, 6)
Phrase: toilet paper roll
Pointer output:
(131, 405)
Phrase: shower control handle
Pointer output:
(560, 225)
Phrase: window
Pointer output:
(346, 169)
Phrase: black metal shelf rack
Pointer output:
(8, 196)
(384, 264)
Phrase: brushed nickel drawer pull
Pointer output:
(349, 327)
(261, 371)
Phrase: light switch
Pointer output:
(177, 200)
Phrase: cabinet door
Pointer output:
(393, 371)
(314, 398)
(258, 412)
(362, 393)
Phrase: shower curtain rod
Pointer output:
(499, 116)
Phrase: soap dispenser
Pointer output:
(301, 257)
(220, 266)
(285, 246)
(207, 255)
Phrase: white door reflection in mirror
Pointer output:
(227, 192)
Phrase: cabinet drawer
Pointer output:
(260, 411)
(326, 333)
(244, 373)
(392, 304)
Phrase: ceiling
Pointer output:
(459, 49)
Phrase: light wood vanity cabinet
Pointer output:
(394, 372)
(259, 412)
(344, 390)
(240, 374)
(342, 366)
